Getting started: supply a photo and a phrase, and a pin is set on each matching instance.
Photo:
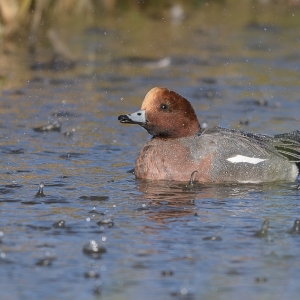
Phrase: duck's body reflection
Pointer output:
(163, 200)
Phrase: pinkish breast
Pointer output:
(171, 159)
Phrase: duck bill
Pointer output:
(138, 117)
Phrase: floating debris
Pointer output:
(91, 274)
(63, 114)
(94, 211)
(40, 192)
(183, 293)
(296, 227)
(166, 273)
(46, 261)
(255, 101)
(261, 279)
(212, 238)
(148, 62)
(13, 151)
(94, 198)
(262, 27)
(54, 126)
(162, 63)
(13, 185)
(209, 80)
(93, 249)
(192, 183)
(38, 227)
(143, 207)
(261, 102)
(97, 289)
(264, 230)
(69, 133)
(108, 222)
(244, 122)
(59, 224)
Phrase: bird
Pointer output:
(179, 146)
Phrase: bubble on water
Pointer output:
(103, 268)
(184, 291)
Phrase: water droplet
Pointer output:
(212, 238)
(167, 273)
(108, 222)
(296, 227)
(192, 183)
(59, 224)
(264, 230)
(97, 289)
(91, 274)
(93, 249)
(40, 192)
(184, 291)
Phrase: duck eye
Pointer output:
(164, 106)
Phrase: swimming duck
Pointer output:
(179, 146)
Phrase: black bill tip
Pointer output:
(124, 119)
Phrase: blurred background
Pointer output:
(216, 53)
(52, 35)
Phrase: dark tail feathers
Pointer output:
(290, 145)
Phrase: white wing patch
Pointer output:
(245, 159)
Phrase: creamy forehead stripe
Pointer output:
(245, 159)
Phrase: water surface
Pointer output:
(239, 70)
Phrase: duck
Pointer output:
(179, 146)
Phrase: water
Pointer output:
(155, 240)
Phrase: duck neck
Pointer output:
(190, 130)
